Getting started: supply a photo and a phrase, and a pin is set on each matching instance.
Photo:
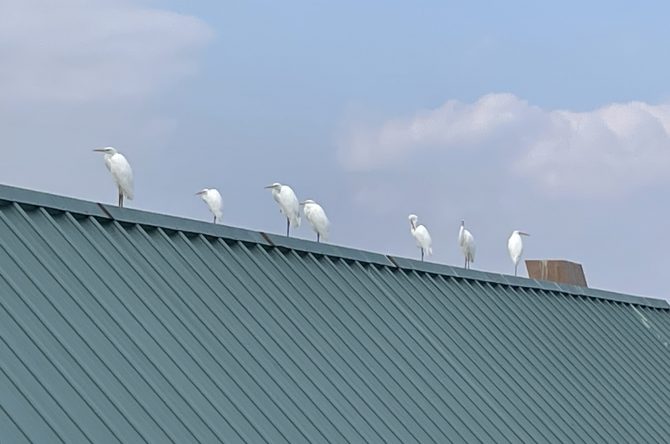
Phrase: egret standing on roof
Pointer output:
(317, 218)
(515, 247)
(121, 172)
(421, 235)
(212, 198)
(467, 243)
(288, 204)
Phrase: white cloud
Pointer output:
(79, 74)
(78, 51)
(618, 147)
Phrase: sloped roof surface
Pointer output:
(123, 326)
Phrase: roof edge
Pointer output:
(10, 194)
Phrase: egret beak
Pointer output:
(269, 186)
(200, 193)
(99, 150)
(302, 203)
(523, 234)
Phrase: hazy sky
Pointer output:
(554, 119)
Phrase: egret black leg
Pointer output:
(515, 268)
(214, 219)
(120, 199)
(288, 226)
(318, 237)
(422, 255)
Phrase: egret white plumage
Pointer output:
(467, 243)
(317, 218)
(121, 172)
(515, 247)
(213, 199)
(288, 204)
(421, 235)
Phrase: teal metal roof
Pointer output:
(118, 325)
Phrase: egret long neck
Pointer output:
(275, 194)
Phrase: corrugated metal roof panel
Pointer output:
(118, 325)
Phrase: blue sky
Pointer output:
(549, 118)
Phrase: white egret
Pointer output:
(467, 243)
(121, 172)
(288, 204)
(213, 199)
(421, 235)
(317, 218)
(515, 247)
